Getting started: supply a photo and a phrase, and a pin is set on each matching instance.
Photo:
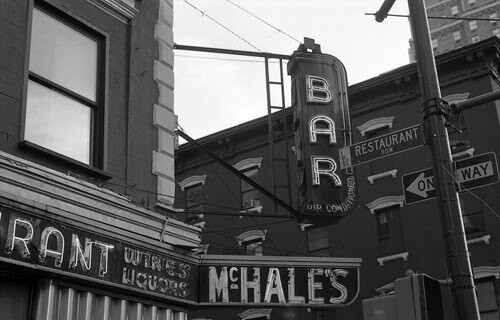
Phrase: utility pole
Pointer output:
(435, 111)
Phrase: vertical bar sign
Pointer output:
(321, 127)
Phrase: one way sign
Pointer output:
(470, 173)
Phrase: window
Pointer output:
(487, 299)
(472, 214)
(475, 39)
(457, 36)
(195, 197)
(496, 32)
(493, 17)
(472, 25)
(384, 164)
(471, 2)
(319, 243)
(434, 43)
(250, 197)
(454, 10)
(252, 240)
(390, 234)
(64, 103)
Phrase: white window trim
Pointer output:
(473, 25)
(192, 181)
(202, 249)
(486, 239)
(122, 10)
(457, 36)
(248, 163)
(251, 235)
(390, 173)
(402, 255)
(385, 202)
(486, 271)
(469, 152)
(375, 124)
(255, 313)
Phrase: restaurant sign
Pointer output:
(322, 126)
(38, 243)
(278, 281)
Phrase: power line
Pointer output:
(470, 192)
(223, 26)
(435, 17)
(262, 20)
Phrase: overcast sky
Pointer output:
(213, 93)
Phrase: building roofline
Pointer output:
(492, 43)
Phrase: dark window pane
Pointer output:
(318, 239)
(486, 296)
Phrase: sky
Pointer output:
(214, 92)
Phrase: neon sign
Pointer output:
(322, 127)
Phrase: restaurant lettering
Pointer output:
(20, 237)
(37, 241)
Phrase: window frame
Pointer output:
(98, 114)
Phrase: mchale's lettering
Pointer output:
(221, 283)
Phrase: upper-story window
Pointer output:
(457, 36)
(493, 18)
(252, 240)
(196, 197)
(250, 197)
(472, 25)
(434, 43)
(496, 32)
(454, 10)
(471, 2)
(475, 39)
(64, 108)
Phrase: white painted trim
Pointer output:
(248, 163)
(305, 226)
(192, 181)
(255, 313)
(375, 124)
(457, 97)
(469, 152)
(390, 173)
(121, 10)
(254, 209)
(251, 235)
(385, 202)
(82, 203)
(486, 271)
(402, 255)
(486, 239)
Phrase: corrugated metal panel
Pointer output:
(56, 302)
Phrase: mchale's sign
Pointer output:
(322, 127)
(278, 281)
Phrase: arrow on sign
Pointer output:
(421, 185)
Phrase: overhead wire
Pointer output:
(226, 59)
(223, 26)
(468, 190)
(263, 21)
(435, 17)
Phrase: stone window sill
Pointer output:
(485, 239)
(391, 173)
(382, 260)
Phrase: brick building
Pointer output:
(86, 104)
(393, 234)
(450, 34)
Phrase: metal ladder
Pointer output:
(278, 130)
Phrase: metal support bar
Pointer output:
(239, 174)
(476, 101)
(233, 52)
